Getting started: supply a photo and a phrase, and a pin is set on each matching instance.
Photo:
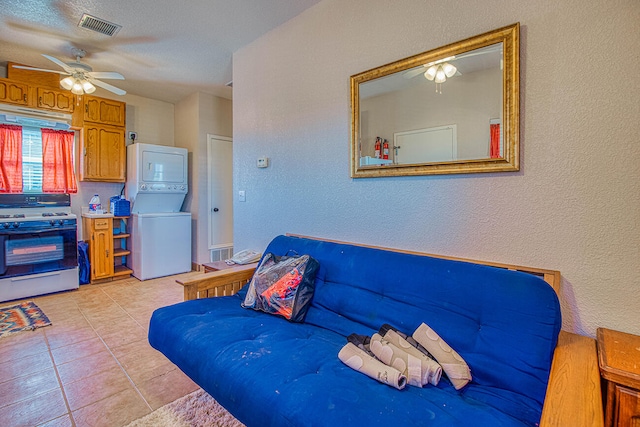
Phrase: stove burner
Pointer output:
(47, 214)
(5, 216)
(18, 215)
(61, 214)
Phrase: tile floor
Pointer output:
(93, 366)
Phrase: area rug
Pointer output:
(25, 316)
(196, 409)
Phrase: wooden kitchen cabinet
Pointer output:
(619, 360)
(103, 111)
(57, 100)
(103, 156)
(14, 92)
(100, 232)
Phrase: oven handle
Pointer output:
(35, 276)
(13, 232)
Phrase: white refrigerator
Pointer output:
(164, 238)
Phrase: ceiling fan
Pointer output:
(81, 77)
(430, 70)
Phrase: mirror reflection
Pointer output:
(451, 110)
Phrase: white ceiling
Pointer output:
(166, 49)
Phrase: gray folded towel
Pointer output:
(358, 359)
(452, 363)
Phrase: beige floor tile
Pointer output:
(63, 421)
(66, 335)
(117, 339)
(160, 390)
(116, 410)
(26, 387)
(21, 344)
(26, 365)
(87, 366)
(35, 410)
(96, 387)
(77, 350)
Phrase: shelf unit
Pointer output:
(121, 248)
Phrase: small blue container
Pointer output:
(120, 206)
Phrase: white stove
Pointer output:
(38, 245)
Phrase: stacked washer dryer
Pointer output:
(160, 233)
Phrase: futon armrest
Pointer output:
(217, 283)
(574, 396)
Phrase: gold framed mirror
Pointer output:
(450, 110)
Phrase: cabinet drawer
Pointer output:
(101, 224)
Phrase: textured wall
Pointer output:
(575, 204)
(196, 116)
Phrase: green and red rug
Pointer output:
(25, 316)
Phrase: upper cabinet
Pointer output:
(54, 99)
(105, 111)
(14, 92)
(103, 156)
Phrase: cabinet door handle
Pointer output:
(107, 253)
(40, 100)
(25, 97)
(86, 108)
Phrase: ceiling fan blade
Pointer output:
(107, 86)
(412, 73)
(106, 75)
(22, 67)
(60, 63)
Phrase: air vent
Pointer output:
(99, 25)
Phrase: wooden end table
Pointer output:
(619, 359)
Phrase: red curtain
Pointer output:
(10, 159)
(58, 175)
(495, 141)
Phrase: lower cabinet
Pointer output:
(108, 239)
(100, 232)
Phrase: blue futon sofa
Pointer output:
(268, 371)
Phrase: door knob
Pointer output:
(216, 209)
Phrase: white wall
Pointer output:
(575, 204)
(196, 116)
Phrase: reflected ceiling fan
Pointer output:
(442, 69)
(80, 78)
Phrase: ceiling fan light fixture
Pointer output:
(441, 77)
(77, 88)
(88, 87)
(449, 70)
(430, 74)
(67, 83)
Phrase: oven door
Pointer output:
(30, 252)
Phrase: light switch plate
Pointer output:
(241, 196)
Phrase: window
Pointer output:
(31, 159)
(32, 147)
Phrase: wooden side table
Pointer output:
(619, 359)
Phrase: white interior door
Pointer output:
(437, 144)
(220, 175)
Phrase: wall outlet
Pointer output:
(241, 196)
(263, 162)
(133, 136)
